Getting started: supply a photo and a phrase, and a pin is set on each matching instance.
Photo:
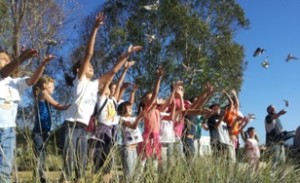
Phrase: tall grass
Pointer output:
(198, 169)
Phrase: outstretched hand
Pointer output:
(210, 88)
(160, 72)
(29, 53)
(132, 49)
(129, 64)
(99, 19)
(47, 59)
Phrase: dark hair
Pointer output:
(268, 108)
(141, 107)
(250, 129)
(111, 84)
(213, 105)
(69, 79)
(122, 108)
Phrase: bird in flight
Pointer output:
(286, 102)
(150, 37)
(265, 64)
(258, 51)
(152, 7)
(290, 57)
(251, 116)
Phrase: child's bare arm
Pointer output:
(90, 46)
(38, 73)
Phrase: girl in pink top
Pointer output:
(252, 149)
(151, 144)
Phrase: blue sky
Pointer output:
(275, 26)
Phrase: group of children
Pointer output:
(172, 123)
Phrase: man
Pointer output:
(274, 130)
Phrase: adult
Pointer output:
(274, 130)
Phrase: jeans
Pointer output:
(277, 155)
(188, 147)
(8, 143)
(75, 149)
(129, 160)
(39, 142)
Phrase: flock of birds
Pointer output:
(265, 63)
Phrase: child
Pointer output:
(42, 92)
(10, 95)
(106, 129)
(252, 149)
(78, 115)
(151, 144)
(131, 136)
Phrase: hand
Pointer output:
(99, 19)
(233, 92)
(210, 88)
(47, 59)
(126, 85)
(29, 53)
(159, 72)
(132, 49)
(282, 112)
(129, 64)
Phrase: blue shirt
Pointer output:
(43, 117)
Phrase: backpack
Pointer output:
(93, 119)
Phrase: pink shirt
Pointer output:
(179, 125)
(152, 121)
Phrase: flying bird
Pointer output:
(290, 57)
(251, 116)
(258, 51)
(286, 102)
(51, 42)
(191, 70)
(265, 64)
(152, 7)
(150, 37)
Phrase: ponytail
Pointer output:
(69, 79)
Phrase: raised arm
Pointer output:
(108, 76)
(231, 104)
(219, 122)
(277, 115)
(14, 64)
(235, 100)
(38, 73)
(170, 99)
(90, 46)
(121, 80)
(203, 97)
(132, 94)
(159, 74)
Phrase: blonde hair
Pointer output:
(4, 55)
(39, 86)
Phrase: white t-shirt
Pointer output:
(166, 132)
(252, 150)
(130, 136)
(84, 100)
(11, 90)
(108, 115)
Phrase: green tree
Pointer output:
(193, 40)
